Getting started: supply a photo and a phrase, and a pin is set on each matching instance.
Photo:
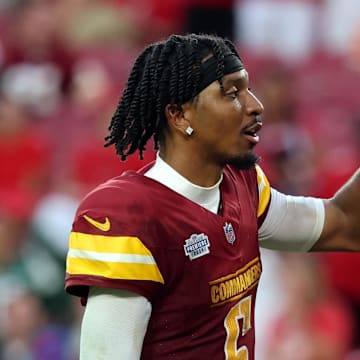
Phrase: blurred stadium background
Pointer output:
(63, 64)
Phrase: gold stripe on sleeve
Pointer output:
(264, 191)
(114, 270)
(114, 257)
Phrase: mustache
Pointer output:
(255, 124)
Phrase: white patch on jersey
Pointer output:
(197, 245)
(229, 233)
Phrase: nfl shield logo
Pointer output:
(229, 233)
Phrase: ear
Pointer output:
(176, 119)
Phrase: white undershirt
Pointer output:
(207, 197)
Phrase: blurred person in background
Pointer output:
(24, 317)
(28, 278)
(24, 153)
(288, 161)
(36, 68)
(28, 335)
(205, 120)
(314, 322)
(15, 212)
(36, 319)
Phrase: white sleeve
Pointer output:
(292, 223)
(114, 325)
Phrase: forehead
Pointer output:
(238, 77)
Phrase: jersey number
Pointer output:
(240, 311)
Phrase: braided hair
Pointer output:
(166, 72)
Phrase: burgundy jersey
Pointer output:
(199, 270)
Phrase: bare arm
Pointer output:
(342, 219)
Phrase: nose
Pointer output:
(253, 104)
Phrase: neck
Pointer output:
(194, 168)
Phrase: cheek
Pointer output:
(219, 119)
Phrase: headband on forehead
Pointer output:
(208, 69)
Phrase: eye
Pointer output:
(233, 94)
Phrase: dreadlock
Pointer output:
(166, 72)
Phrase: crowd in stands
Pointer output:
(63, 65)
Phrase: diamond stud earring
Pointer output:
(189, 130)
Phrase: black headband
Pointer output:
(232, 63)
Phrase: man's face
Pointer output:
(226, 122)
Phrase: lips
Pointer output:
(250, 131)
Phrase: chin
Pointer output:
(244, 162)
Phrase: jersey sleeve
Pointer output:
(285, 222)
(111, 245)
(264, 194)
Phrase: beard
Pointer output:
(244, 162)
